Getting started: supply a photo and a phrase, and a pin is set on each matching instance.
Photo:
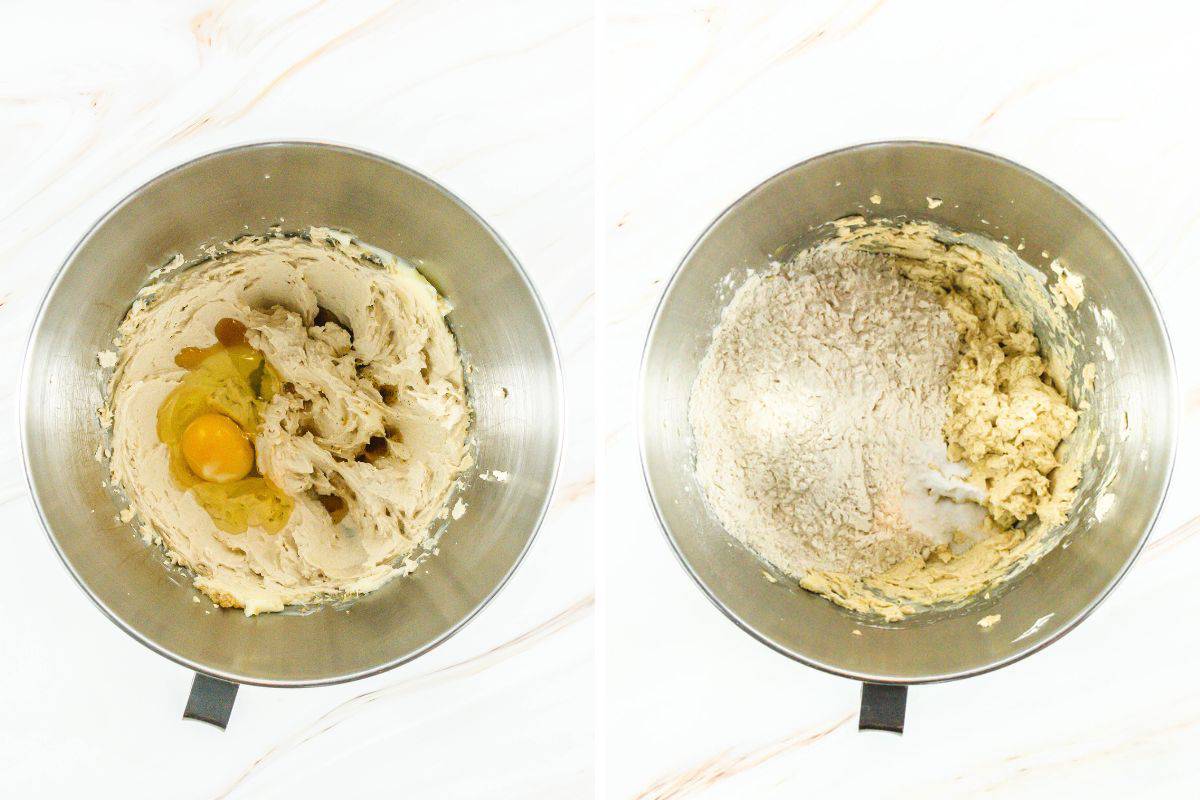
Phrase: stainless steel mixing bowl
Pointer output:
(501, 329)
(982, 194)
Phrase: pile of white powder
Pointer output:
(818, 414)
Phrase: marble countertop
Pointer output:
(698, 103)
(495, 105)
(704, 101)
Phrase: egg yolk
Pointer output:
(208, 423)
(216, 449)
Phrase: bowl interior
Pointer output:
(1134, 410)
(295, 185)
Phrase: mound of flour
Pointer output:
(818, 413)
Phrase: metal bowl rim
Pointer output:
(1173, 425)
(559, 420)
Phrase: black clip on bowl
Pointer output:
(211, 700)
(882, 707)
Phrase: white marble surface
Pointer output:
(494, 102)
(699, 102)
(703, 101)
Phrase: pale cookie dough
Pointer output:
(813, 495)
(1007, 415)
(390, 369)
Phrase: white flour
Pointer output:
(818, 413)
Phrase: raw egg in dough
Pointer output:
(208, 423)
(216, 449)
